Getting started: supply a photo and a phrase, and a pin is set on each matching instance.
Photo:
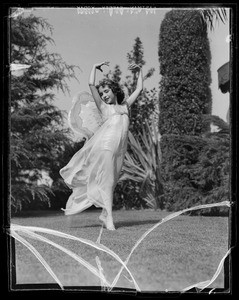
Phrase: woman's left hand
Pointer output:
(134, 67)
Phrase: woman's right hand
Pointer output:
(99, 65)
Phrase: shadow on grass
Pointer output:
(120, 224)
(134, 223)
(46, 213)
(38, 214)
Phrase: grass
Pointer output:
(177, 254)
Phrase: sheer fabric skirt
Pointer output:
(93, 171)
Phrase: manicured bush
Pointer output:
(184, 56)
(195, 163)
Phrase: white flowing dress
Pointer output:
(93, 171)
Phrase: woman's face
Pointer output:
(107, 95)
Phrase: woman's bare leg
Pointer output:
(109, 217)
(103, 216)
(107, 190)
(106, 214)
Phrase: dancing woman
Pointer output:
(93, 171)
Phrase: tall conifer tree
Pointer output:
(37, 133)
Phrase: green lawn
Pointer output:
(177, 254)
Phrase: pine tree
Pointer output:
(37, 134)
(145, 106)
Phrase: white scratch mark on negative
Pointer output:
(19, 11)
(30, 231)
(228, 39)
(203, 284)
(169, 217)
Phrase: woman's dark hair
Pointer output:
(114, 86)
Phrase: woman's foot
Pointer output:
(108, 221)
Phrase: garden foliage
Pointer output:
(37, 136)
(142, 166)
(195, 163)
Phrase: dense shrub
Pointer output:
(195, 170)
(184, 56)
(195, 163)
(127, 196)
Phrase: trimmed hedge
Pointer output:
(184, 56)
(195, 163)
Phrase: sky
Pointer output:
(84, 37)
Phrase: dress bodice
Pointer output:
(115, 109)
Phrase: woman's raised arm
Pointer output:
(139, 86)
